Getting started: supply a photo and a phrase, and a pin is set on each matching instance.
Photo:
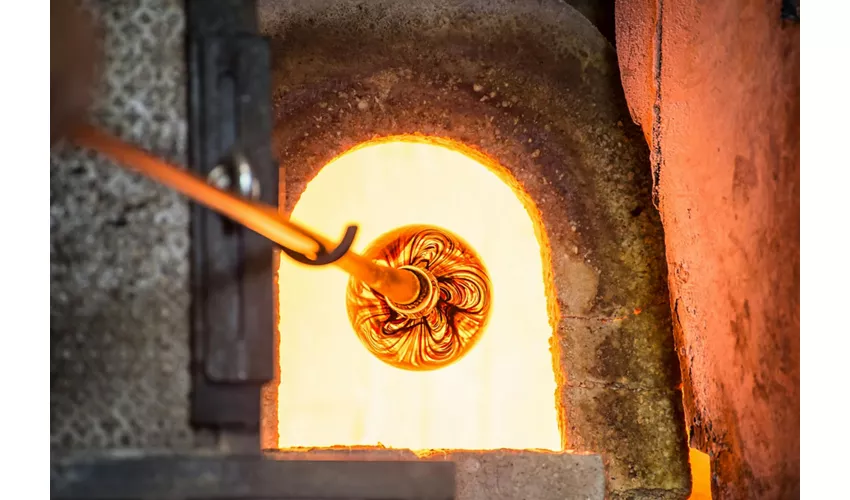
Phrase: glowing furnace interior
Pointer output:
(333, 392)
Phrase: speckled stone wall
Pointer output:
(535, 86)
(119, 264)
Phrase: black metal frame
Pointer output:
(251, 478)
(232, 271)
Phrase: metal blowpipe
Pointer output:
(397, 285)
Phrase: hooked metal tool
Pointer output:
(418, 299)
(299, 243)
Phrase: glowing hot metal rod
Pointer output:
(418, 299)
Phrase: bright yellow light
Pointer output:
(334, 392)
(700, 475)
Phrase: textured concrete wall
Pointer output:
(119, 263)
(715, 87)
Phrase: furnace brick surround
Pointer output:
(536, 87)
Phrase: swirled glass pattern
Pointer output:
(445, 333)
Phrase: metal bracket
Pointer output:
(230, 142)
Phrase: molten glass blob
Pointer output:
(450, 314)
(502, 393)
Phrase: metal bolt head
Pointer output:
(237, 175)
